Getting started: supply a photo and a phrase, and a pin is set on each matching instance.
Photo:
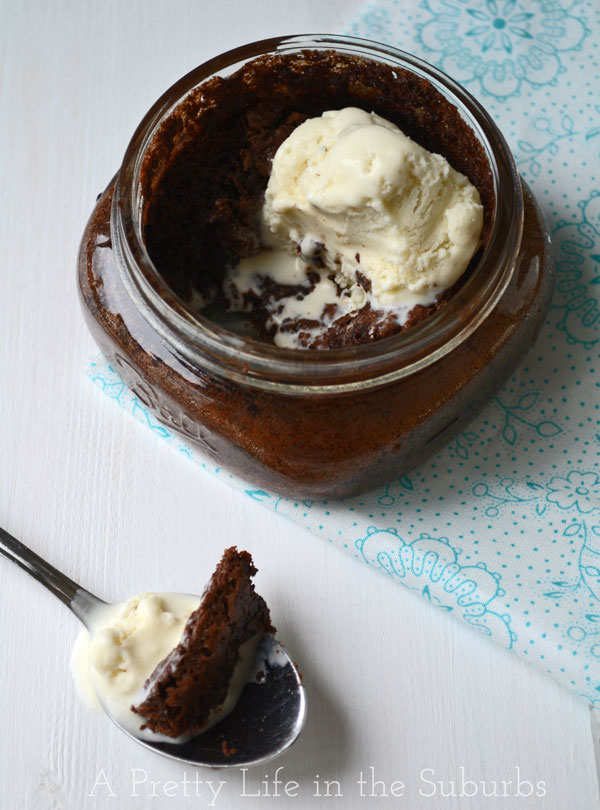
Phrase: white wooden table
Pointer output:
(396, 691)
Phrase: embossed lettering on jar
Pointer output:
(309, 423)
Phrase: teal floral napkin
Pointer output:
(502, 528)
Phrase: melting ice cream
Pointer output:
(355, 214)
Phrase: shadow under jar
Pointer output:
(312, 423)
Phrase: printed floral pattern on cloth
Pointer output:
(501, 44)
(527, 470)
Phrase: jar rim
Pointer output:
(243, 359)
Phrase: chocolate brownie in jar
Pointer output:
(371, 395)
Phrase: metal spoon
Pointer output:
(266, 720)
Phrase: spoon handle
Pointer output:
(73, 595)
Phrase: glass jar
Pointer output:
(328, 423)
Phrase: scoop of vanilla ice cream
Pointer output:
(132, 638)
(373, 200)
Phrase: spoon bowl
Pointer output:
(266, 719)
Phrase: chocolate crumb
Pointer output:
(227, 750)
(364, 282)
